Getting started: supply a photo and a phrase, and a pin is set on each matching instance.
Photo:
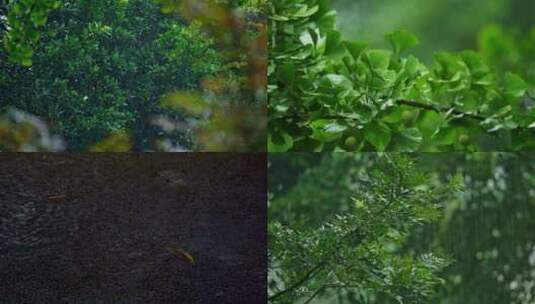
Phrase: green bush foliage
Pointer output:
(234, 110)
(102, 66)
(328, 94)
(25, 19)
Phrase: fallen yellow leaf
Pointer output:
(181, 253)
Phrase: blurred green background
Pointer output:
(450, 25)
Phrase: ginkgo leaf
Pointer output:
(401, 40)
(55, 198)
(324, 97)
(181, 253)
(515, 86)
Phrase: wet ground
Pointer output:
(118, 228)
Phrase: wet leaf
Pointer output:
(180, 253)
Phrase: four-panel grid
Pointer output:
(267, 151)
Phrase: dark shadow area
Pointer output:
(118, 228)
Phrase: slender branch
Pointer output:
(309, 275)
(410, 103)
(341, 286)
(437, 109)
(315, 294)
(329, 286)
(312, 272)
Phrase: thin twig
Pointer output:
(437, 109)
(310, 274)
(315, 294)
(410, 103)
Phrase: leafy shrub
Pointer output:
(224, 111)
(234, 110)
(25, 19)
(329, 94)
(102, 66)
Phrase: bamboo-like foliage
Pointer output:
(356, 253)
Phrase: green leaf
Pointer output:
(413, 66)
(355, 48)
(446, 136)
(475, 63)
(470, 102)
(338, 80)
(412, 134)
(286, 73)
(379, 59)
(515, 86)
(27, 62)
(306, 38)
(326, 130)
(363, 113)
(38, 18)
(332, 45)
(487, 80)
(378, 135)
(407, 140)
(402, 40)
(279, 142)
(393, 115)
(449, 66)
(304, 11)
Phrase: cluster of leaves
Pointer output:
(25, 19)
(102, 67)
(357, 254)
(131, 57)
(233, 104)
(327, 94)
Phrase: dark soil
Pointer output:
(105, 228)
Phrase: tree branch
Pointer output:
(437, 109)
(315, 294)
(410, 103)
(312, 272)
(309, 275)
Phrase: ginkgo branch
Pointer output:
(410, 103)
